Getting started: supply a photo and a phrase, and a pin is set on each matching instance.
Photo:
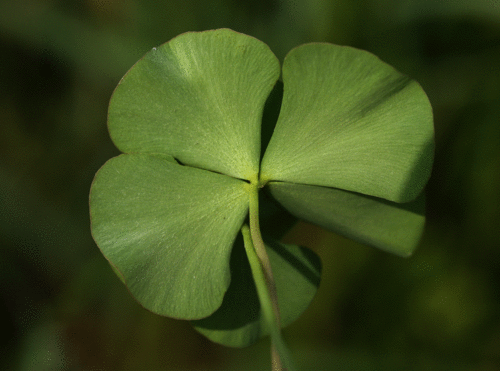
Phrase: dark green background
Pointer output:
(61, 306)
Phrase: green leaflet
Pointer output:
(198, 98)
(169, 230)
(390, 226)
(352, 122)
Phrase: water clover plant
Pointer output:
(177, 214)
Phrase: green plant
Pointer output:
(351, 151)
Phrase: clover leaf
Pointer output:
(351, 151)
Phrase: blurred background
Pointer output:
(61, 306)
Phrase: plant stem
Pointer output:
(260, 250)
(264, 281)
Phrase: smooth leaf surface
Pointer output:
(390, 226)
(350, 121)
(169, 230)
(198, 98)
(238, 322)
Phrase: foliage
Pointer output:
(351, 151)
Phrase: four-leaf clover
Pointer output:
(351, 151)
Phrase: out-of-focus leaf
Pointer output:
(238, 322)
